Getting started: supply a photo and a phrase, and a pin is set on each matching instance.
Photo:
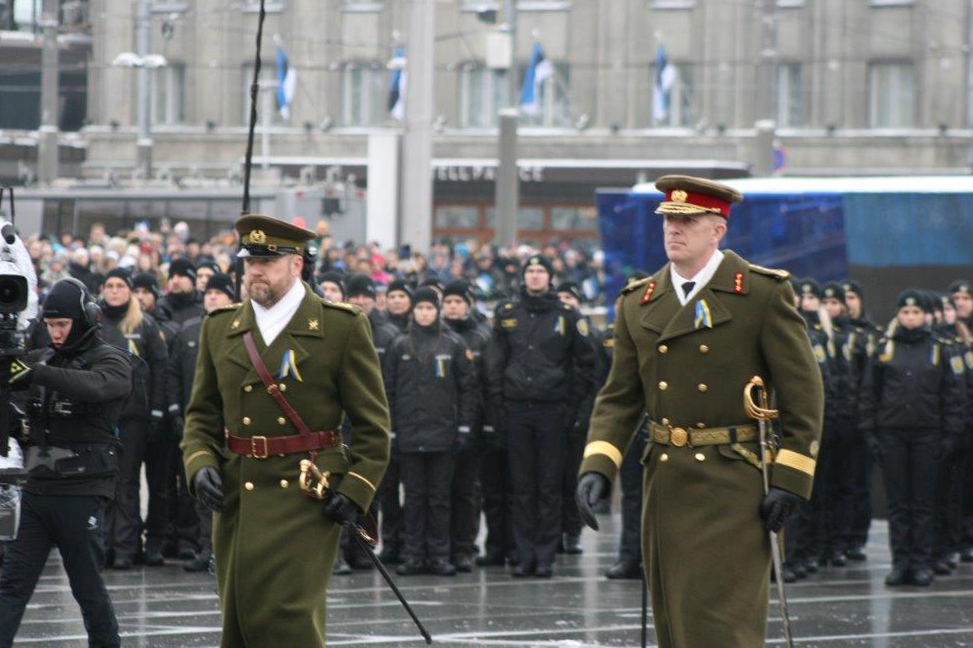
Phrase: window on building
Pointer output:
(364, 94)
(268, 83)
(891, 95)
(568, 218)
(790, 95)
(271, 6)
(482, 93)
(553, 99)
(680, 108)
(169, 94)
(362, 5)
(23, 15)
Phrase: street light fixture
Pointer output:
(144, 63)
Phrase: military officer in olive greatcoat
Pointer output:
(688, 339)
(273, 377)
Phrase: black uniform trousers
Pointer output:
(390, 505)
(75, 525)
(183, 530)
(427, 477)
(125, 514)
(495, 490)
(860, 506)
(161, 455)
(574, 452)
(949, 507)
(833, 506)
(630, 476)
(464, 503)
(909, 467)
(536, 449)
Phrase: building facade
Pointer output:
(859, 87)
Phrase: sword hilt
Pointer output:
(758, 408)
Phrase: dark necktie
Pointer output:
(688, 288)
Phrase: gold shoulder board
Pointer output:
(779, 275)
(635, 285)
(351, 309)
(224, 309)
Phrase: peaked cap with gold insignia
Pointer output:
(266, 236)
(686, 195)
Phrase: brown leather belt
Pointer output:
(679, 437)
(261, 447)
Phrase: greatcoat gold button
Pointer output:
(663, 348)
(281, 420)
(678, 437)
(248, 388)
(702, 387)
(663, 385)
(701, 425)
(246, 420)
(665, 421)
(703, 348)
(664, 457)
(284, 483)
(700, 456)
(282, 387)
(248, 486)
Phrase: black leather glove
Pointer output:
(592, 488)
(777, 506)
(461, 443)
(341, 509)
(209, 488)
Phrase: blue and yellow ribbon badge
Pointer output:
(703, 317)
(559, 325)
(934, 355)
(288, 366)
(132, 347)
(441, 361)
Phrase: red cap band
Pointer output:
(701, 200)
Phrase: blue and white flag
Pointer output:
(396, 104)
(286, 83)
(665, 77)
(539, 71)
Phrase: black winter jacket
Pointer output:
(181, 368)
(476, 336)
(913, 383)
(431, 388)
(147, 342)
(181, 307)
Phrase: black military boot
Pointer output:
(341, 566)
(967, 555)
(799, 569)
(856, 554)
(624, 570)
(491, 559)
(522, 569)
(198, 564)
(837, 559)
(572, 544)
(411, 567)
(941, 567)
(463, 563)
(442, 567)
(544, 571)
(390, 555)
(811, 565)
(897, 576)
(153, 556)
(921, 578)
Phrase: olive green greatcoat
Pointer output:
(705, 549)
(274, 547)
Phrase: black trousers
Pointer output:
(949, 506)
(630, 476)
(536, 450)
(204, 529)
(909, 467)
(184, 522)
(833, 505)
(390, 504)
(860, 505)
(495, 491)
(124, 518)
(427, 477)
(161, 456)
(75, 525)
(574, 450)
(465, 503)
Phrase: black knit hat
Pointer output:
(183, 268)
(571, 288)
(459, 288)
(402, 285)
(209, 263)
(335, 278)
(66, 299)
(426, 294)
(432, 282)
(960, 286)
(223, 283)
(810, 287)
(833, 291)
(913, 297)
(148, 281)
(120, 273)
(538, 259)
(360, 285)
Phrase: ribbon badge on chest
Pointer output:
(288, 366)
(703, 316)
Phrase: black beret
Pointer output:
(960, 286)
(538, 259)
(360, 285)
(834, 291)
(913, 297)
(810, 287)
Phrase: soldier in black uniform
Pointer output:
(181, 369)
(912, 416)
(432, 393)
(77, 389)
(860, 512)
(464, 502)
(141, 424)
(360, 290)
(962, 303)
(540, 365)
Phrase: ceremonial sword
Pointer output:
(764, 415)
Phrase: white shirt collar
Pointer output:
(701, 278)
(271, 321)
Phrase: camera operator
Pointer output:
(77, 389)
(126, 327)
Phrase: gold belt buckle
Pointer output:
(678, 437)
(255, 451)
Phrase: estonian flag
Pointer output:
(665, 78)
(538, 72)
(396, 104)
(286, 83)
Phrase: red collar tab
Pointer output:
(738, 283)
(700, 200)
(647, 295)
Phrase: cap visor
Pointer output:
(258, 252)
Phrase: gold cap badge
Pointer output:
(258, 237)
(679, 196)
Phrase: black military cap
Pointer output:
(360, 285)
(810, 287)
(223, 283)
(960, 286)
(541, 260)
(182, 268)
(572, 289)
(852, 286)
(688, 195)
(913, 297)
(834, 291)
(401, 285)
(428, 295)
(459, 288)
(148, 281)
(266, 236)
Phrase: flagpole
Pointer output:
(254, 89)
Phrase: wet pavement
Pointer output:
(167, 607)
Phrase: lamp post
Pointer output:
(145, 63)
